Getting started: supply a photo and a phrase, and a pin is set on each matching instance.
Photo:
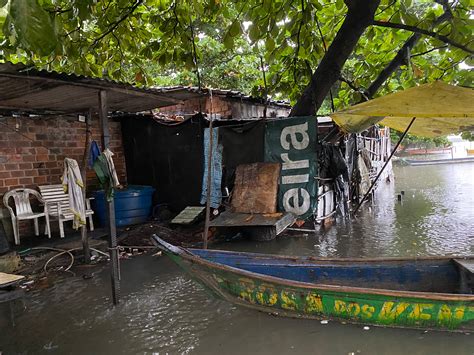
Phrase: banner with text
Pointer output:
(292, 143)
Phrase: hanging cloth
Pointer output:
(105, 170)
(94, 153)
(73, 186)
(216, 169)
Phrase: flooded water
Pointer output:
(164, 312)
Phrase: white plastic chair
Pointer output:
(57, 202)
(23, 211)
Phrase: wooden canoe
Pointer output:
(428, 292)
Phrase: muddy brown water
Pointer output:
(164, 312)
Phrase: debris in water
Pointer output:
(366, 328)
(159, 253)
(324, 321)
(50, 346)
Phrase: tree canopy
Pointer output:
(313, 52)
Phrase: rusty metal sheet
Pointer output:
(256, 188)
(26, 89)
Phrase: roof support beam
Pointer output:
(110, 210)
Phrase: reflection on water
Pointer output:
(164, 311)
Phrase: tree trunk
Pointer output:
(359, 16)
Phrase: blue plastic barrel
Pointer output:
(132, 205)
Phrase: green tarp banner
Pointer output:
(292, 142)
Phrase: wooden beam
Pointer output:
(84, 236)
(114, 261)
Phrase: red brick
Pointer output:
(56, 171)
(29, 158)
(11, 166)
(11, 182)
(25, 166)
(4, 174)
(25, 181)
(31, 173)
(52, 164)
(40, 180)
(42, 157)
(17, 173)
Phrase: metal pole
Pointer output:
(84, 237)
(115, 272)
(209, 173)
(383, 168)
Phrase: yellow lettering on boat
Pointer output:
(273, 299)
(368, 311)
(266, 296)
(444, 314)
(353, 309)
(340, 306)
(288, 300)
(247, 287)
(389, 312)
(417, 311)
(260, 298)
(313, 303)
(459, 313)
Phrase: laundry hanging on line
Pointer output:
(216, 169)
(73, 186)
(94, 153)
(105, 170)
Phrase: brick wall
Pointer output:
(220, 106)
(32, 150)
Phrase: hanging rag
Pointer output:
(94, 153)
(110, 163)
(216, 169)
(73, 186)
(105, 170)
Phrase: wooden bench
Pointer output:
(57, 202)
(466, 270)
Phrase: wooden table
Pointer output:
(262, 227)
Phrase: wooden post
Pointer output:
(84, 237)
(115, 274)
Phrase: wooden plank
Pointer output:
(234, 219)
(188, 215)
(9, 279)
(466, 275)
(467, 265)
(256, 188)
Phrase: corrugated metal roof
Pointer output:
(190, 92)
(25, 89)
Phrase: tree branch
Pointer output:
(118, 22)
(424, 32)
(403, 55)
(428, 51)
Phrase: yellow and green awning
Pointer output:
(440, 109)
